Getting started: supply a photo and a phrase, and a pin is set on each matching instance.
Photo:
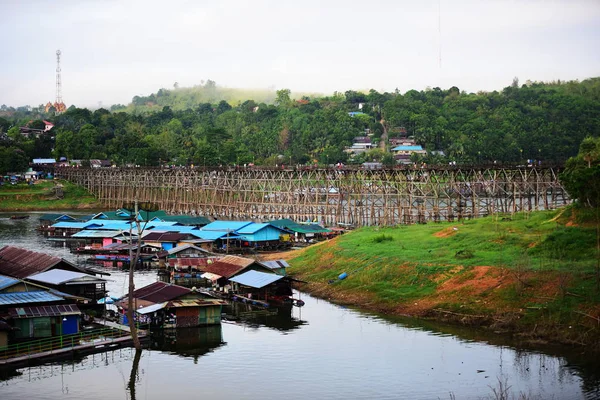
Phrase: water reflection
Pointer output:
(322, 350)
(188, 342)
(134, 376)
(282, 319)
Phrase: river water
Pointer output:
(320, 351)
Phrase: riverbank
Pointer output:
(45, 195)
(532, 275)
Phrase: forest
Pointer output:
(538, 121)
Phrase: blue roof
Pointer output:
(44, 160)
(353, 113)
(408, 148)
(176, 228)
(7, 281)
(213, 235)
(226, 226)
(75, 225)
(256, 279)
(27, 297)
(113, 226)
(95, 234)
(255, 227)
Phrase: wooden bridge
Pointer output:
(355, 197)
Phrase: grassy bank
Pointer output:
(43, 196)
(531, 274)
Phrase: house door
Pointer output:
(70, 324)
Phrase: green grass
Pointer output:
(24, 197)
(541, 270)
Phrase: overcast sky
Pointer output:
(113, 50)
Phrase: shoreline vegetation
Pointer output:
(45, 195)
(532, 275)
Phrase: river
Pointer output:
(320, 351)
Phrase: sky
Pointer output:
(113, 50)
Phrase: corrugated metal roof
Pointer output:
(283, 223)
(60, 276)
(7, 281)
(152, 308)
(228, 266)
(55, 217)
(28, 297)
(186, 219)
(44, 311)
(158, 292)
(256, 279)
(178, 249)
(253, 228)
(211, 276)
(195, 303)
(214, 235)
(95, 234)
(164, 236)
(226, 226)
(21, 263)
(407, 148)
(275, 264)
(75, 225)
(191, 262)
(44, 161)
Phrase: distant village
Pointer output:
(201, 266)
(402, 148)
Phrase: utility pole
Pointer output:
(132, 263)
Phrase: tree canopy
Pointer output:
(536, 121)
(581, 176)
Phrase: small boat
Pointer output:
(19, 216)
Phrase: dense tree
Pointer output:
(581, 177)
(536, 121)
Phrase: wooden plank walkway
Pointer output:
(103, 344)
(93, 346)
(114, 325)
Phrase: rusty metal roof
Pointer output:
(43, 311)
(228, 266)
(195, 303)
(159, 292)
(21, 263)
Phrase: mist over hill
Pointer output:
(183, 98)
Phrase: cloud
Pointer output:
(114, 50)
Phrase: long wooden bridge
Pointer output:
(355, 197)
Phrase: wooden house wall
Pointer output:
(266, 233)
(198, 316)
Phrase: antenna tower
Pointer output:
(58, 83)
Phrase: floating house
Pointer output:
(33, 311)
(185, 255)
(221, 271)
(171, 306)
(256, 285)
(303, 232)
(166, 240)
(47, 220)
(74, 283)
(264, 236)
(68, 228)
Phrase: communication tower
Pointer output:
(58, 105)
